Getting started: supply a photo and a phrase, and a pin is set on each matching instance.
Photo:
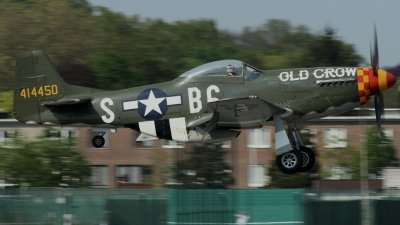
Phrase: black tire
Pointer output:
(308, 159)
(289, 162)
(98, 141)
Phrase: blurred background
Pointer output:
(54, 175)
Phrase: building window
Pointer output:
(106, 137)
(99, 175)
(6, 135)
(309, 136)
(58, 134)
(144, 144)
(226, 144)
(133, 174)
(257, 176)
(335, 138)
(259, 138)
(169, 175)
(388, 133)
(336, 172)
(172, 144)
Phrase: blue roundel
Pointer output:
(152, 104)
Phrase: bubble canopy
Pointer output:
(216, 68)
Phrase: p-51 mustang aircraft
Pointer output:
(210, 103)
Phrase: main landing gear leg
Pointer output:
(98, 140)
(288, 159)
(307, 153)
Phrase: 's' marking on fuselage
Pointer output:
(109, 118)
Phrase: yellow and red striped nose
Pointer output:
(369, 83)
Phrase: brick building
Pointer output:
(122, 162)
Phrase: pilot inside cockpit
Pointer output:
(231, 70)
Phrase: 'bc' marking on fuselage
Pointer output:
(194, 94)
(152, 104)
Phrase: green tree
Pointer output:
(204, 168)
(345, 158)
(328, 50)
(46, 162)
(276, 36)
(159, 160)
(6, 101)
(147, 51)
(277, 31)
(381, 152)
(111, 71)
(282, 180)
(66, 32)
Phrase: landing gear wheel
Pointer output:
(290, 162)
(98, 141)
(308, 159)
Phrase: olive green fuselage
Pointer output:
(298, 90)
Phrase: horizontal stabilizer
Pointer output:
(66, 102)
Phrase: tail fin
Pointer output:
(37, 82)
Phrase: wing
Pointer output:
(241, 113)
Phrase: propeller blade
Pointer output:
(382, 103)
(378, 110)
(379, 103)
(375, 53)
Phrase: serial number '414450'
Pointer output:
(46, 90)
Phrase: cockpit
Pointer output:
(230, 68)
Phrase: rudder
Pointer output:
(36, 80)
